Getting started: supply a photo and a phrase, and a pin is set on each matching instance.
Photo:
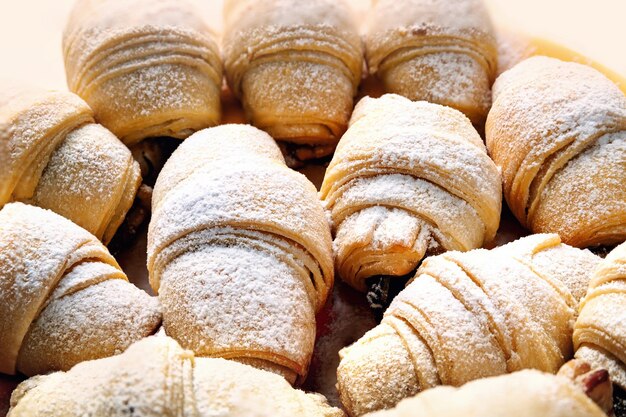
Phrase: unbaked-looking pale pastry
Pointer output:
(156, 377)
(439, 51)
(147, 67)
(296, 66)
(54, 156)
(239, 250)
(558, 132)
(523, 393)
(63, 297)
(470, 315)
(600, 330)
(408, 178)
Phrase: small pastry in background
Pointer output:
(296, 67)
(147, 68)
(557, 130)
(440, 51)
(63, 297)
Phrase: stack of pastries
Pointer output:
(242, 252)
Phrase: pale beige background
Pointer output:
(30, 31)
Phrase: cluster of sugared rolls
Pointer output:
(439, 51)
(406, 179)
(63, 297)
(296, 67)
(558, 132)
(146, 67)
(239, 251)
(470, 315)
(55, 156)
(600, 330)
(155, 377)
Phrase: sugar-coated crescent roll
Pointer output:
(558, 132)
(439, 51)
(600, 330)
(147, 67)
(63, 297)
(296, 67)
(408, 178)
(55, 157)
(523, 393)
(156, 377)
(469, 315)
(239, 250)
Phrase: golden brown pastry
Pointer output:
(296, 67)
(55, 157)
(470, 315)
(439, 51)
(600, 330)
(155, 377)
(407, 179)
(146, 67)
(63, 297)
(239, 250)
(558, 132)
(523, 393)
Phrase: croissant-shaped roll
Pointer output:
(63, 297)
(156, 377)
(239, 250)
(296, 67)
(600, 330)
(558, 132)
(524, 393)
(439, 51)
(57, 158)
(408, 178)
(469, 315)
(147, 67)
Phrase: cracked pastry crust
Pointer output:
(557, 130)
(408, 178)
(63, 297)
(296, 67)
(156, 377)
(56, 157)
(434, 50)
(155, 71)
(470, 315)
(239, 250)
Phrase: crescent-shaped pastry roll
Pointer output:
(63, 297)
(239, 250)
(146, 67)
(523, 393)
(156, 377)
(557, 130)
(57, 158)
(439, 51)
(600, 330)
(469, 315)
(408, 178)
(296, 67)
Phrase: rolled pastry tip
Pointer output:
(57, 158)
(155, 71)
(296, 67)
(600, 330)
(407, 179)
(239, 251)
(523, 393)
(156, 377)
(63, 297)
(438, 51)
(466, 316)
(557, 131)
